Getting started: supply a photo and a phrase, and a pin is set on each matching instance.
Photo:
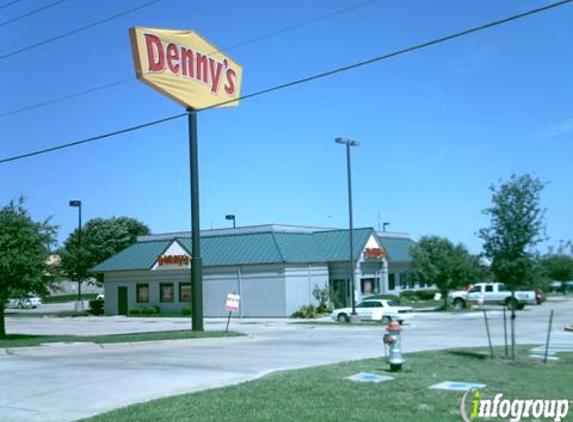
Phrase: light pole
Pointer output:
(350, 143)
(78, 204)
(384, 226)
(231, 217)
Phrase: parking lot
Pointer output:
(70, 381)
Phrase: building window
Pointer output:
(184, 292)
(369, 286)
(403, 281)
(167, 292)
(142, 293)
(391, 281)
(412, 280)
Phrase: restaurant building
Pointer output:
(274, 269)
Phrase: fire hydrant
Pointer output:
(393, 339)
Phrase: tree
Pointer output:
(101, 238)
(557, 267)
(25, 246)
(445, 265)
(516, 225)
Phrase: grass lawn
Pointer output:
(23, 340)
(322, 393)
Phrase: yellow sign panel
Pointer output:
(185, 67)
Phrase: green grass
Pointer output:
(68, 298)
(322, 393)
(24, 340)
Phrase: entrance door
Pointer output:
(340, 288)
(122, 300)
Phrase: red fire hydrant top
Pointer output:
(394, 326)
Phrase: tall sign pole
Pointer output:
(196, 264)
(185, 67)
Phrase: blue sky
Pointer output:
(437, 127)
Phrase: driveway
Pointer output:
(68, 382)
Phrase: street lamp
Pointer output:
(350, 143)
(231, 217)
(78, 204)
(384, 226)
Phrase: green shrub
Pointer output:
(322, 296)
(96, 307)
(186, 310)
(415, 295)
(305, 311)
(144, 310)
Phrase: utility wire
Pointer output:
(75, 31)
(66, 97)
(300, 81)
(241, 44)
(9, 4)
(33, 12)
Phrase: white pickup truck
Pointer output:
(492, 293)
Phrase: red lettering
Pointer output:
(173, 58)
(215, 69)
(230, 85)
(155, 54)
(187, 63)
(202, 68)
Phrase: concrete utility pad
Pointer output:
(456, 386)
(368, 377)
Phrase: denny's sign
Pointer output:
(185, 67)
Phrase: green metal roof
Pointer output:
(334, 243)
(139, 256)
(398, 248)
(258, 248)
(245, 249)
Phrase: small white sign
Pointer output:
(233, 301)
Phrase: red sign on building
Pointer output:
(373, 253)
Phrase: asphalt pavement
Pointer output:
(67, 382)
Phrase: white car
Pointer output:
(24, 303)
(383, 310)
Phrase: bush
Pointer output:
(144, 310)
(96, 307)
(305, 311)
(415, 295)
(186, 310)
(322, 296)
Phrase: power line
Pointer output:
(241, 44)
(33, 12)
(9, 4)
(301, 81)
(95, 138)
(75, 31)
(67, 97)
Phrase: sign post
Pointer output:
(232, 305)
(196, 262)
(186, 68)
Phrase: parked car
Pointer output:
(382, 310)
(492, 293)
(24, 303)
